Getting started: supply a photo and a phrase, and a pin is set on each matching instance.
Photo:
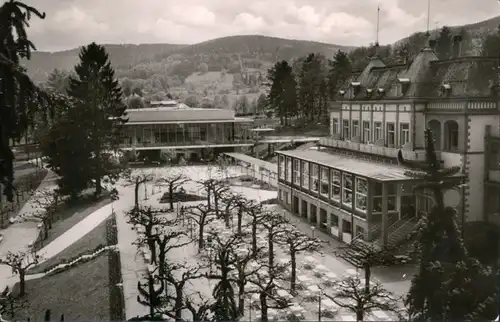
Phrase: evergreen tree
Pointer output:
(491, 44)
(20, 99)
(449, 284)
(310, 82)
(261, 103)
(67, 150)
(282, 96)
(58, 82)
(340, 69)
(98, 99)
(443, 43)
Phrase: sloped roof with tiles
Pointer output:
(425, 77)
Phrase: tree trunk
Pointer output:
(227, 215)
(254, 237)
(293, 274)
(200, 237)
(98, 188)
(22, 283)
(209, 197)
(263, 307)
(216, 205)
(368, 274)
(240, 220)
(359, 315)
(179, 301)
(271, 250)
(171, 195)
(152, 249)
(241, 296)
(136, 195)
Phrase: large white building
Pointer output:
(354, 188)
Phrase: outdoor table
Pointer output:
(329, 303)
(310, 259)
(314, 289)
(284, 294)
(321, 268)
(380, 315)
(351, 272)
(347, 318)
(304, 279)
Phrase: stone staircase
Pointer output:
(358, 247)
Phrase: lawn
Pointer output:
(80, 293)
(84, 245)
(69, 215)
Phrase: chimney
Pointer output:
(457, 46)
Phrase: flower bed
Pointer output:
(116, 297)
(181, 197)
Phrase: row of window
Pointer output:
(367, 134)
(341, 187)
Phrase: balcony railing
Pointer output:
(372, 149)
(184, 143)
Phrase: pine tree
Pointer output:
(282, 97)
(443, 43)
(98, 95)
(449, 284)
(20, 99)
(310, 93)
(339, 69)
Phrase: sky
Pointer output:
(73, 23)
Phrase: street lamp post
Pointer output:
(313, 229)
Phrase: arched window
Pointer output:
(451, 135)
(435, 127)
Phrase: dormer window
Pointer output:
(369, 91)
(380, 91)
(404, 84)
(341, 92)
(355, 87)
(444, 89)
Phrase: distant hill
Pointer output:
(126, 55)
(260, 48)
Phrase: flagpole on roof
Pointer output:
(429, 16)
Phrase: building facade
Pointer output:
(176, 130)
(353, 186)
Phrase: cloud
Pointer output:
(71, 23)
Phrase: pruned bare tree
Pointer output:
(173, 182)
(169, 237)
(257, 215)
(295, 242)
(370, 256)
(150, 295)
(265, 282)
(214, 189)
(10, 304)
(202, 215)
(201, 310)
(274, 225)
(178, 281)
(223, 247)
(243, 260)
(20, 263)
(136, 180)
(147, 219)
(351, 294)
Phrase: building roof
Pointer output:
(376, 171)
(158, 115)
(426, 77)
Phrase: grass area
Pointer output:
(69, 215)
(87, 243)
(80, 293)
(85, 292)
